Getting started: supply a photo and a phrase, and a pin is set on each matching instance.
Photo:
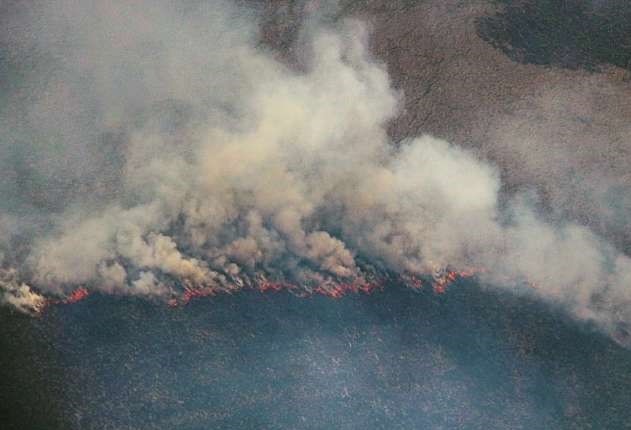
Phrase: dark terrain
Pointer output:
(397, 359)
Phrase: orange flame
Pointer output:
(191, 293)
(76, 296)
(331, 288)
(443, 281)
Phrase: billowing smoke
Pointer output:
(149, 148)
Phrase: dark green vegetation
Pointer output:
(395, 359)
(565, 33)
(31, 383)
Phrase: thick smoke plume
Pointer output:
(149, 148)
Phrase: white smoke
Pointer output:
(155, 147)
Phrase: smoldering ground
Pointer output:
(152, 147)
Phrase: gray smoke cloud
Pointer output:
(148, 147)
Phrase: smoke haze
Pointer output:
(150, 147)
